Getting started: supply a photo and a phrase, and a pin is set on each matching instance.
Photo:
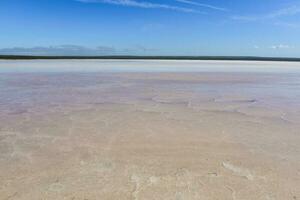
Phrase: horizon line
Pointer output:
(152, 57)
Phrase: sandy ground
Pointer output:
(202, 135)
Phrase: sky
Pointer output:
(150, 27)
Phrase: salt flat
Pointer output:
(146, 66)
(89, 130)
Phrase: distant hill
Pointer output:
(237, 58)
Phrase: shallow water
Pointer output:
(95, 133)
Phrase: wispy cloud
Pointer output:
(287, 24)
(289, 11)
(280, 46)
(274, 47)
(202, 5)
(142, 4)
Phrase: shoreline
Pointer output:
(118, 65)
(168, 58)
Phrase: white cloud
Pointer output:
(280, 46)
(202, 5)
(274, 47)
(287, 24)
(293, 10)
(142, 4)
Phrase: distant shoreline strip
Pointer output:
(120, 57)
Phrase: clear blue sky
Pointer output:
(150, 27)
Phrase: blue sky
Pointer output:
(150, 27)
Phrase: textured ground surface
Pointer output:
(90, 136)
